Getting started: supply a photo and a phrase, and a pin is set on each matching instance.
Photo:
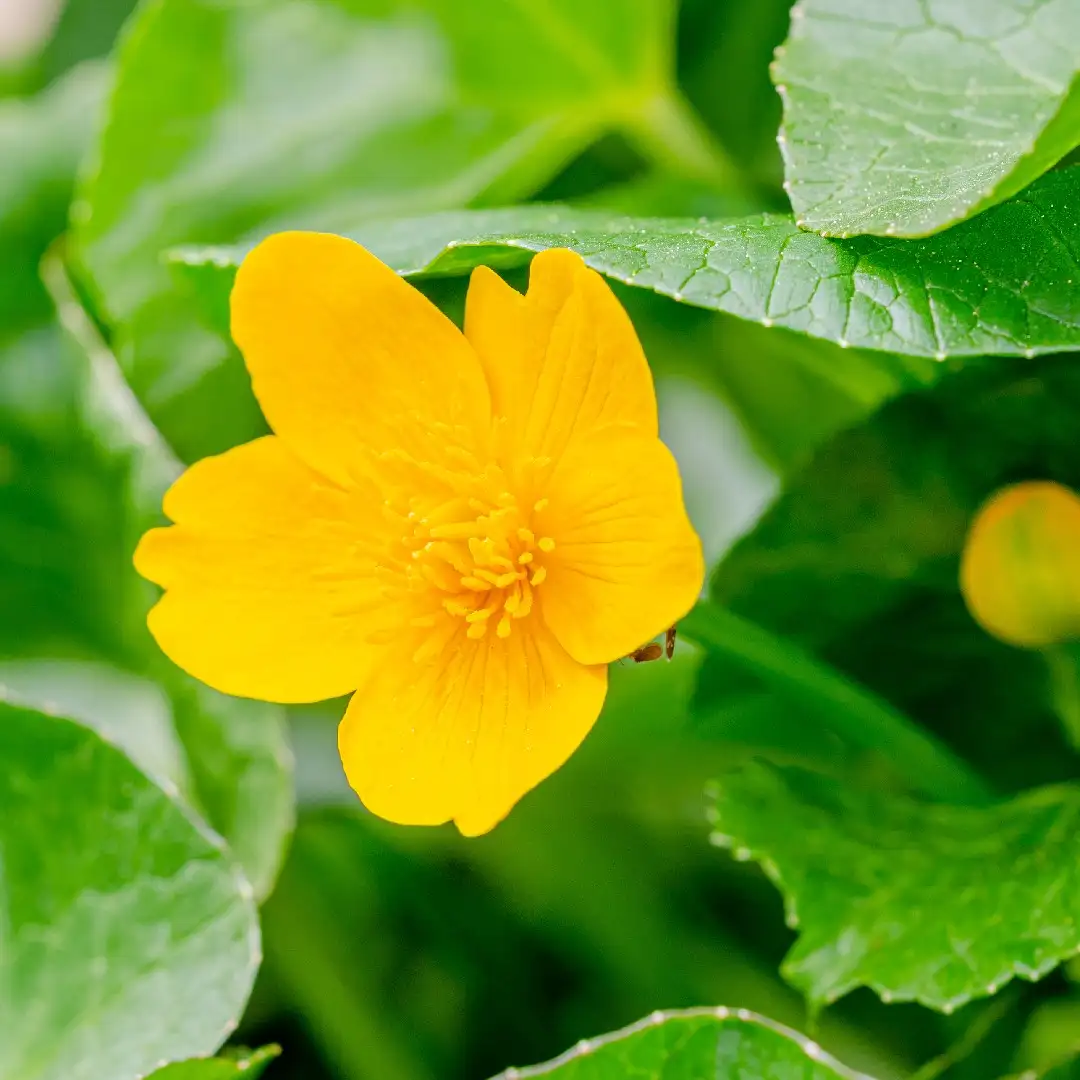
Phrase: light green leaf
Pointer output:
(725, 1044)
(240, 1065)
(930, 903)
(125, 710)
(41, 141)
(900, 119)
(1000, 284)
(236, 766)
(230, 117)
(127, 936)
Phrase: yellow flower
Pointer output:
(462, 528)
(1020, 571)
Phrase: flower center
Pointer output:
(479, 563)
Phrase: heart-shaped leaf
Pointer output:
(127, 935)
(902, 118)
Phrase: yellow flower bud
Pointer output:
(1020, 571)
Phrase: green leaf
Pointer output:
(239, 1065)
(935, 904)
(41, 141)
(902, 119)
(125, 710)
(858, 562)
(127, 936)
(999, 284)
(230, 117)
(236, 765)
(725, 1044)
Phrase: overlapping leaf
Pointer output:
(902, 118)
(725, 1044)
(1000, 284)
(127, 936)
(228, 117)
(936, 904)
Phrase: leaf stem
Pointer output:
(1063, 666)
(853, 711)
(669, 131)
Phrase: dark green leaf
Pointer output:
(1066, 1070)
(239, 1065)
(901, 119)
(858, 560)
(847, 709)
(724, 1044)
(1001, 284)
(229, 118)
(127, 937)
(936, 904)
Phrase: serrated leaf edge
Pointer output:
(744, 853)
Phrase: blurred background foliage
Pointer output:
(411, 954)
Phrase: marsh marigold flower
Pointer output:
(1020, 572)
(461, 529)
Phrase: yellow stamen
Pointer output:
(545, 543)
(538, 576)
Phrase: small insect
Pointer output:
(654, 650)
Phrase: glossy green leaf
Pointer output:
(725, 1044)
(127, 936)
(935, 904)
(231, 117)
(903, 118)
(239, 1065)
(858, 562)
(104, 479)
(999, 284)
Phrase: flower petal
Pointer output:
(561, 360)
(627, 563)
(465, 735)
(268, 572)
(346, 356)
